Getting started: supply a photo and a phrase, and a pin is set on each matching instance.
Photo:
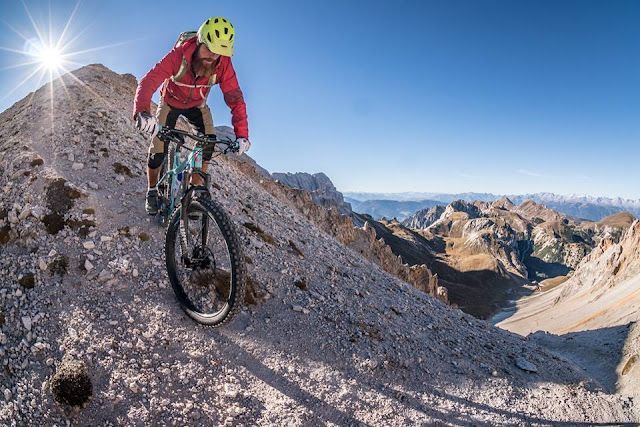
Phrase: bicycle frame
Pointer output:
(193, 162)
(192, 165)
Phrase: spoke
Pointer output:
(207, 286)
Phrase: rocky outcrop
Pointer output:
(505, 203)
(501, 247)
(361, 239)
(614, 226)
(538, 213)
(460, 206)
(424, 218)
(609, 273)
(322, 190)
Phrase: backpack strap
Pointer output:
(211, 82)
(184, 65)
(181, 71)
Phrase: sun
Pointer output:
(48, 53)
(47, 57)
(51, 58)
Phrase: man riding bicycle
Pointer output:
(188, 72)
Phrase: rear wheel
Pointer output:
(206, 265)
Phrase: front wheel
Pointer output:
(205, 262)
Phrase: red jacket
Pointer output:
(183, 92)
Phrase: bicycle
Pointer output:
(204, 256)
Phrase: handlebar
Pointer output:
(168, 134)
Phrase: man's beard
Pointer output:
(201, 68)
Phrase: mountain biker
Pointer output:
(187, 73)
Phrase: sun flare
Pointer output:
(51, 58)
(49, 52)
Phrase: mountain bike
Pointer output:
(204, 256)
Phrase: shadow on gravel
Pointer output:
(324, 412)
(508, 416)
(597, 351)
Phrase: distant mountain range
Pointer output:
(390, 208)
(399, 205)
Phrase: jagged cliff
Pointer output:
(322, 190)
(424, 218)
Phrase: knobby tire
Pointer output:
(238, 282)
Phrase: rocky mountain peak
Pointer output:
(424, 218)
(470, 209)
(503, 203)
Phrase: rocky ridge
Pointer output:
(327, 336)
(503, 247)
(424, 218)
(575, 205)
(322, 190)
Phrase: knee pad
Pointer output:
(155, 160)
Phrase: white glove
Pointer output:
(243, 145)
(147, 123)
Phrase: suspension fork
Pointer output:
(188, 192)
(184, 204)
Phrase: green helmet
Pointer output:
(217, 33)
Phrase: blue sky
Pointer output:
(436, 96)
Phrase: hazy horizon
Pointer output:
(417, 193)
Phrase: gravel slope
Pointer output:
(332, 339)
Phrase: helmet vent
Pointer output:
(224, 20)
(209, 36)
(223, 45)
(226, 30)
(207, 23)
(216, 20)
(217, 34)
(231, 37)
